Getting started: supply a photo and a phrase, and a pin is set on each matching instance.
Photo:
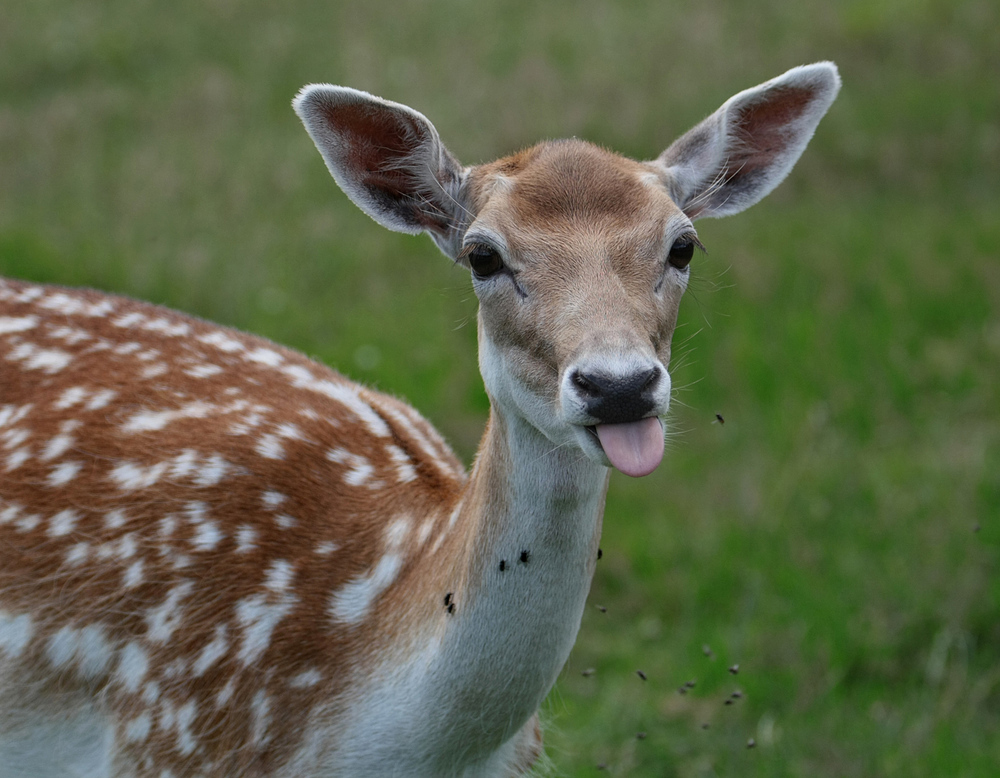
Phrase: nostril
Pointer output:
(652, 379)
(585, 384)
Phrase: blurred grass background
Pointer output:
(837, 537)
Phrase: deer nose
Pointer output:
(615, 399)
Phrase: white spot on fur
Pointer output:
(134, 575)
(269, 447)
(100, 399)
(186, 742)
(250, 421)
(137, 730)
(115, 519)
(68, 305)
(126, 547)
(175, 669)
(63, 523)
(212, 471)
(9, 324)
(359, 469)
(15, 437)
(221, 341)
(290, 431)
(168, 525)
(184, 464)
(226, 693)
(15, 633)
(151, 692)
(207, 534)
(306, 680)
(106, 550)
(128, 348)
(258, 618)
(132, 667)
(94, 651)
(28, 523)
(62, 442)
(70, 397)
(326, 548)
(28, 294)
(246, 539)
(404, 465)
(48, 360)
(265, 356)
(87, 648)
(61, 647)
(260, 708)
(128, 320)
(8, 514)
(279, 576)
(168, 714)
(61, 303)
(397, 531)
(166, 327)
(131, 477)
(203, 370)
(272, 499)
(285, 521)
(212, 652)
(162, 620)
(78, 554)
(151, 421)
(12, 414)
(17, 458)
(424, 532)
(352, 602)
(154, 370)
(63, 473)
(71, 335)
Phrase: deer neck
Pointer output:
(534, 513)
(485, 665)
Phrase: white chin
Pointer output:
(587, 440)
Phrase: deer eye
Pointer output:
(484, 260)
(681, 252)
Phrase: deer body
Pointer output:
(220, 558)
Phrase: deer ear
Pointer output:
(386, 157)
(744, 150)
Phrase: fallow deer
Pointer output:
(219, 558)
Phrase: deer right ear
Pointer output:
(386, 157)
(741, 152)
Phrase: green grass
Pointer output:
(846, 328)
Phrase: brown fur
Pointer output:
(41, 574)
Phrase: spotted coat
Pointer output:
(187, 525)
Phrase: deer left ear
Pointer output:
(385, 156)
(741, 152)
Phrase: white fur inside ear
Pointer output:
(386, 157)
(740, 153)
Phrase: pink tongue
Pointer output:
(635, 448)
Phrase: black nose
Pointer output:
(614, 399)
